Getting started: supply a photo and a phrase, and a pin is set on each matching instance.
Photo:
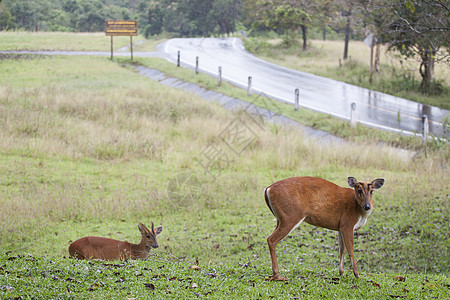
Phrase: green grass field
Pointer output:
(89, 147)
(21, 40)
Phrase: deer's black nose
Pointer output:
(155, 246)
(366, 206)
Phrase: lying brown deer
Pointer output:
(93, 247)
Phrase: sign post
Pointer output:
(111, 47)
(121, 28)
(131, 46)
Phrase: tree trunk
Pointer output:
(224, 26)
(371, 62)
(347, 37)
(234, 15)
(304, 31)
(426, 69)
(324, 32)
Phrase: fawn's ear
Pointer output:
(352, 181)
(378, 183)
(158, 230)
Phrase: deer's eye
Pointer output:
(360, 191)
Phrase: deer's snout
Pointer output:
(155, 246)
(366, 206)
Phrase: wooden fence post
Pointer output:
(249, 88)
(178, 58)
(131, 46)
(111, 47)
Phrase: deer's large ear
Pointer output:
(158, 230)
(352, 181)
(378, 183)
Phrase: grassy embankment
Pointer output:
(90, 148)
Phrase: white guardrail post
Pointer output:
(196, 65)
(425, 128)
(297, 98)
(353, 114)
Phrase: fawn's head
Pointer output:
(363, 191)
(149, 236)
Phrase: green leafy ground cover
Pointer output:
(45, 278)
(89, 147)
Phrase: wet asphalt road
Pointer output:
(317, 93)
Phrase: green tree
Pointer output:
(91, 16)
(327, 13)
(58, 20)
(287, 15)
(27, 13)
(418, 29)
(151, 17)
(196, 19)
(224, 12)
(6, 19)
(349, 19)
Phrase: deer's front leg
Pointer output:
(341, 253)
(347, 234)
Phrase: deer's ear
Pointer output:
(158, 230)
(378, 183)
(352, 181)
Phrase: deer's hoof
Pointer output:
(276, 278)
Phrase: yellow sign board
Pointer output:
(127, 28)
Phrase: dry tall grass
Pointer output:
(331, 51)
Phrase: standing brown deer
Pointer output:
(93, 247)
(320, 203)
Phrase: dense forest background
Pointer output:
(418, 29)
(180, 17)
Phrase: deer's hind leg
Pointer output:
(280, 232)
